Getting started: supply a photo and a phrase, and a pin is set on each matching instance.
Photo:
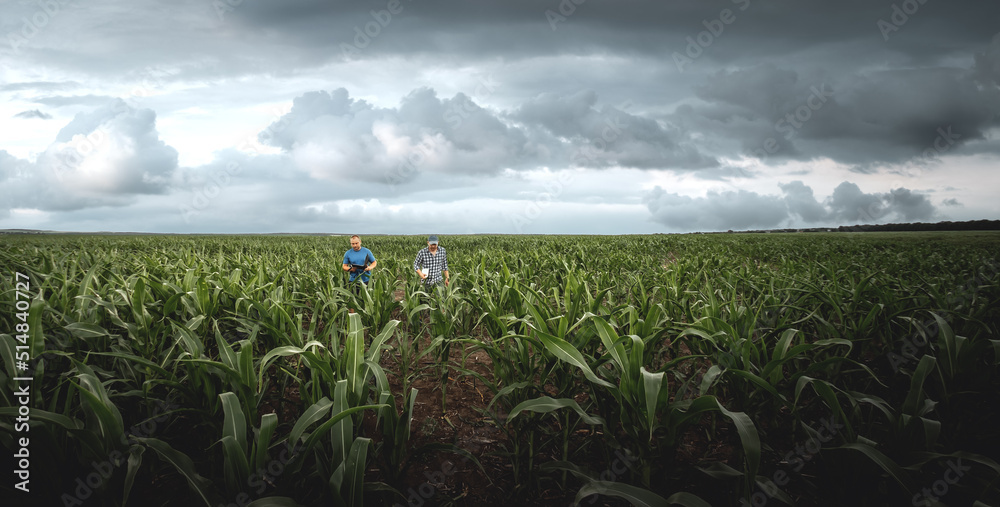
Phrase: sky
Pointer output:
(533, 117)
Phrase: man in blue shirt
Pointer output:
(359, 261)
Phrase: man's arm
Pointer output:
(374, 262)
(444, 269)
(416, 266)
(347, 265)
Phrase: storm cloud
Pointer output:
(605, 117)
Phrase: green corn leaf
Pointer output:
(915, 396)
(236, 466)
(567, 352)
(354, 476)
(311, 415)
(610, 340)
(268, 423)
(183, 464)
(652, 384)
(134, 462)
(234, 423)
(86, 331)
(884, 462)
(547, 404)
(379, 341)
(637, 496)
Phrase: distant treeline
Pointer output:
(970, 225)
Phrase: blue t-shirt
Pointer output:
(362, 257)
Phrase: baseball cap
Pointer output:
(432, 239)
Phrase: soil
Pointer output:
(446, 478)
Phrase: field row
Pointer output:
(799, 369)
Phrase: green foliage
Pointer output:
(597, 346)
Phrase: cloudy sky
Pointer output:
(417, 116)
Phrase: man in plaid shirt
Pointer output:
(434, 261)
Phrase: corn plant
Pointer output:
(639, 401)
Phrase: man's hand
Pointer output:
(369, 267)
(446, 281)
(422, 275)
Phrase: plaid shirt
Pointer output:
(435, 264)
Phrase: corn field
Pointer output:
(766, 369)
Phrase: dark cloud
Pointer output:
(802, 202)
(987, 66)
(609, 135)
(909, 205)
(716, 211)
(741, 210)
(330, 135)
(33, 113)
(849, 204)
(878, 117)
(520, 28)
(591, 88)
